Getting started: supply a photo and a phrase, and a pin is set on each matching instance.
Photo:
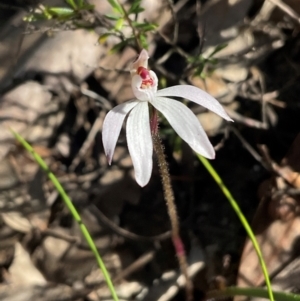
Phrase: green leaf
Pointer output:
(118, 46)
(116, 6)
(88, 6)
(143, 40)
(37, 17)
(243, 220)
(145, 26)
(149, 27)
(138, 10)
(192, 59)
(47, 14)
(112, 17)
(80, 4)
(72, 4)
(135, 7)
(83, 25)
(213, 61)
(121, 45)
(102, 39)
(203, 75)
(217, 49)
(199, 70)
(72, 209)
(61, 12)
(119, 24)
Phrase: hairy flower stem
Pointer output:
(172, 210)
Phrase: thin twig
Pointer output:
(135, 266)
(123, 232)
(68, 238)
(250, 149)
(176, 48)
(134, 32)
(200, 27)
(100, 99)
(246, 120)
(176, 24)
(287, 9)
(87, 143)
(166, 56)
(258, 74)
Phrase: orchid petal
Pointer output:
(112, 126)
(155, 80)
(196, 95)
(140, 142)
(143, 94)
(141, 61)
(139, 93)
(186, 125)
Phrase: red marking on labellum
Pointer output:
(144, 73)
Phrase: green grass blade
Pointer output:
(72, 209)
(251, 292)
(243, 220)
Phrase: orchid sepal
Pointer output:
(197, 96)
(112, 126)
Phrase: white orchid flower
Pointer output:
(184, 122)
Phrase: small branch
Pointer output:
(249, 148)
(174, 17)
(175, 47)
(200, 26)
(246, 120)
(104, 220)
(88, 142)
(135, 266)
(135, 34)
(63, 236)
(287, 9)
(250, 292)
